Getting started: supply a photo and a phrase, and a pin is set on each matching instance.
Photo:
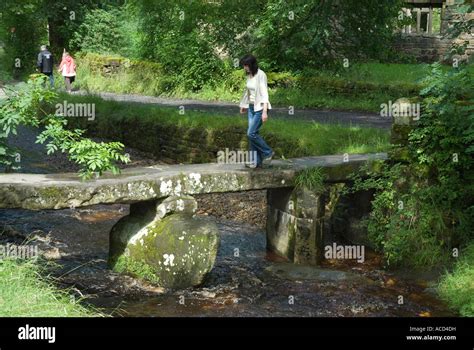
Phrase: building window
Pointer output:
(424, 21)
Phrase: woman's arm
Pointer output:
(244, 102)
(265, 99)
(264, 87)
(265, 113)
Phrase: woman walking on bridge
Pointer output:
(256, 103)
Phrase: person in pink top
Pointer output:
(68, 70)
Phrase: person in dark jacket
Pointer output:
(45, 64)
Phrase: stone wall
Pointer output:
(430, 48)
(172, 143)
(425, 48)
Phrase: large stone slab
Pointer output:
(56, 191)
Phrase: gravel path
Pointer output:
(367, 119)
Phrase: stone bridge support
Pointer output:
(164, 243)
(295, 224)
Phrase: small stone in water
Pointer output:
(52, 254)
(207, 294)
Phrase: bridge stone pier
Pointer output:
(295, 224)
(161, 240)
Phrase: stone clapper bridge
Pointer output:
(161, 240)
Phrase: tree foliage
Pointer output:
(21, 32)
(190, 37)
(25, 25)
(319, 33)
(100, 32)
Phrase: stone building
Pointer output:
(425, 37)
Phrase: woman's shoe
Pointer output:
(268, 160)
(251, 165)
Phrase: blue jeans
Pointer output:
(51, 79)
(256, 142)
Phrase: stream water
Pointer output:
(246, 280)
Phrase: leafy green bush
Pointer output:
(281, 80)
(94, 158)
(324, 33)
(424, 208)
(189, 60)
(22, 32)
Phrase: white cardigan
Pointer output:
(261, 93)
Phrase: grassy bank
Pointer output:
(361, 86)
(457, 287)
(145, 126)
(25, 292)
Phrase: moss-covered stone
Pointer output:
(164, 244)
(401, 154)
(136, 268)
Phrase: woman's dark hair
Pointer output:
(250, 61)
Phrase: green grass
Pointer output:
(311, 179)
(297, 138)
(298, 97)
(318, 98)
(137, 77)
(385, 73)
(457, 287)
(320, 139)
(25, 292)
